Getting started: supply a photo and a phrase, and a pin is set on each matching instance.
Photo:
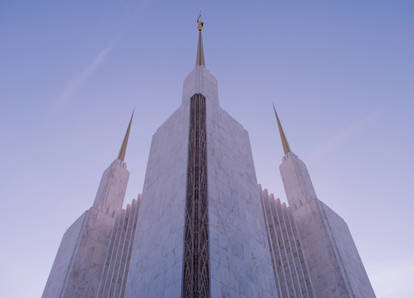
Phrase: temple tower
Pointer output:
(335, 266)
(201, 231)
(79, 263)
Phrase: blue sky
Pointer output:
(341, 74)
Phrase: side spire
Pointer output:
(200, 51)
(285, 143)
(122, 152)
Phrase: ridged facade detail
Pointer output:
(114, 276)
(289, 265)
(196, 277)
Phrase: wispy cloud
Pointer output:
(81, 77)
(346, 134)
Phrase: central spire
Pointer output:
(200, 51)
(285, 143)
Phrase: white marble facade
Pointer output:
(290, 267)
(79, 262)
(116, 265)
(335, 266)
(239, 258)
(78, 265)
(157, 254)
(240, 264)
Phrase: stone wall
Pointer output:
(289, 264)
(158, 248)
(239, 255)
(81, 257)
(239, 259)
(79, 263)
(348, 254)
(334, 264)
(63, 259)
(116, 266)
(111, 191)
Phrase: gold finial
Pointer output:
(285, 143)
(122, 152)
(200, 61)
(200, 24)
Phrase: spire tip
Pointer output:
(285, 143)
(200, 51)
(122, 151)
(200, 24)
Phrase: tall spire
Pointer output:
(121, 155)
(285, 143)
(200, 51)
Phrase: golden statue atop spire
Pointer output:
(122, 152)
(200, 24)
(285, 143)
(200, 51)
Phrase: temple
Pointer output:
(203, 227)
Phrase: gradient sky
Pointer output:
(341, 74)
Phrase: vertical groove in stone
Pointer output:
(290, 266)
(290, 253)
(278, 244)
(277, 247)
(113, 279)
(121, 253)
(286, 246)
(135, 204)
(116, 253)
(267, 218)
(295, 254)
(106, 264)
(304, 265)
(107, 280)
(196, 276)
(282, 243)
(124, 249)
